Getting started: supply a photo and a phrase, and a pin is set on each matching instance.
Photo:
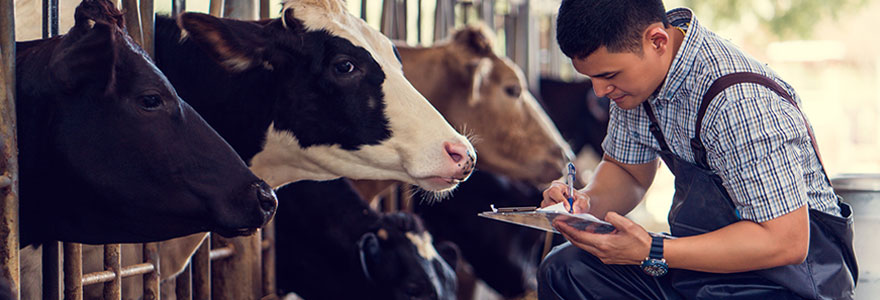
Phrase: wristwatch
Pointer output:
(654, 264)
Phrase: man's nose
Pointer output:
(602, 88)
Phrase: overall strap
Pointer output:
(735, 78)
(655, 127)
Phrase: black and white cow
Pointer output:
(110, 153)
(341, 249)
(315, 94)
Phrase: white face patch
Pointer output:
(423, 243)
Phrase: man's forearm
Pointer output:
(618, 189)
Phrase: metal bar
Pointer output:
(183, 284)
(216, 8)
(268, 247)
(419, 22)
(133, 20)
(113, 264)
(177, 7)
(50, 18)
(151, 280)
(264, 9)
(241, 9)
(147, 27)
(223, 252)
(52, 271)
(239, 276)
(9, 256)
(364, 10)
(98, 277)
(73, 271)
(138, 269)
(201, 267)
(105, 276)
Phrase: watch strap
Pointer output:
(656, 248)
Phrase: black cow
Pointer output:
(301, 99)
(578, 113)
(331, 245)
(503, 255)
(110, 153)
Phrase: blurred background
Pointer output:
(824, 48)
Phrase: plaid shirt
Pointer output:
(756, 141)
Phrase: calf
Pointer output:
(341, 249)
(110, 153)
(503, 255)
(315, 94)
(487, 94)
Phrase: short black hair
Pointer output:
(585, 25)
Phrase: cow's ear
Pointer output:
(370, 251)
(479, 71)
(85, 58)
(449, 252)
(476, 38)
(290, 22)
(236, 52)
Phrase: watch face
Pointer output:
(655, 267)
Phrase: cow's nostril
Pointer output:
(456, 151)
(266, 197)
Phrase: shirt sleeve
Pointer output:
(761, 148)
(621, 142)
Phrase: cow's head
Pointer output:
(123, 151)
(401, 262)
(476, 89)
(343, 106)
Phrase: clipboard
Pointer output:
(542, 219)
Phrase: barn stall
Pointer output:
(526, 35)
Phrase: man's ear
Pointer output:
(658, 38)
(236, 52)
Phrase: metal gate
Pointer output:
(238, 268)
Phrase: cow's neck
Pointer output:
(238, 106)
(281, 161)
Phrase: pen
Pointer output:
(570, 181)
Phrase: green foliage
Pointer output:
(784, 18)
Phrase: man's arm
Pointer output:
(744, 245)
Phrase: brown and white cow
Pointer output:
(487, 95)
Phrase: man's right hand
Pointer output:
(558, 192)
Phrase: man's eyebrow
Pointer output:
(603, 74)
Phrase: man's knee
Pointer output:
(557, 272)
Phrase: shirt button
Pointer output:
(635, 134)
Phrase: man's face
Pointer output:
(627, 78)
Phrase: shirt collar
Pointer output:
(687, 53)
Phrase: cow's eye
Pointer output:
(513, 91)
(150, 102)
(344, 67)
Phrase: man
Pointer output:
(754, 211)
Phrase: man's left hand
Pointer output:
(629, 244)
